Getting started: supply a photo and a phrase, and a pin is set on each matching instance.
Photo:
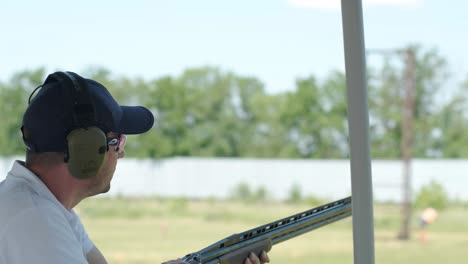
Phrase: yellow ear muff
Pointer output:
(86, 151)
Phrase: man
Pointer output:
(74, 132)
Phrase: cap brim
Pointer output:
(135, 120)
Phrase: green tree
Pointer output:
(203, 112)
(170, 100)
(206, 111)
(315, 117)
(386, 99)
(271, 135)
(14, 100)
(450, 130)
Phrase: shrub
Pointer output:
(312, 200)
(261, 195)
(432, 195)
(178, 205)
(241, 192)
(295, 194)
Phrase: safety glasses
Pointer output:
(118, 142)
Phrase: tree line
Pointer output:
(210, 112)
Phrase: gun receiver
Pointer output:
(235, 248)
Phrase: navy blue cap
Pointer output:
(51, 115)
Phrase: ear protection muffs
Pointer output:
(86, 143)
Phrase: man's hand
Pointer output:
(251, 259)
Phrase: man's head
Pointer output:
(79, 118)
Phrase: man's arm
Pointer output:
(95, 256)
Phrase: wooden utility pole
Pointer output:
(407, 142)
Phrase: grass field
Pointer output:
(153, 230)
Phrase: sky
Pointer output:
(276, 41)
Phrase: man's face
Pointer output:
(116, 144)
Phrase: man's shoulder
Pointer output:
(22, 202)
(39, 234)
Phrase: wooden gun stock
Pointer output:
(239, 256)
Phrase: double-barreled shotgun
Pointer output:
(234, 249)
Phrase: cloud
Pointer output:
(335, 4)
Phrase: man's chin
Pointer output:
(105, 190)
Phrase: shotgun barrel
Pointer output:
(235, 248)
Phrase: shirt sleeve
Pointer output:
(41, 236)
(81, 233)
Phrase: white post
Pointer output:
(358, 122)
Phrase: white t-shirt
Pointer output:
(34, 226)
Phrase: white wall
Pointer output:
(330, 179)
